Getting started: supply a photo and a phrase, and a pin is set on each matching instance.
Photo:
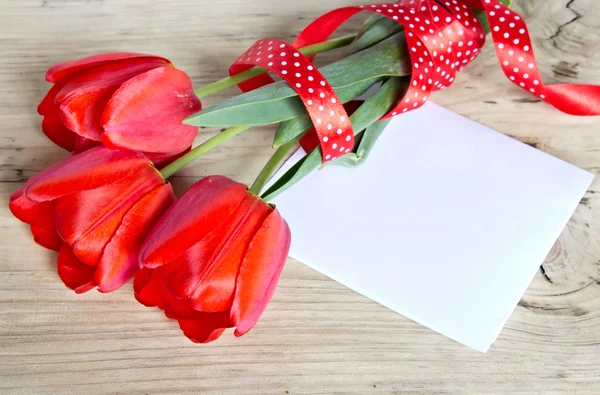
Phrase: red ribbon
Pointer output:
(442, 37)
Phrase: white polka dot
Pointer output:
(284, 72)
(321, 108)
(339, 131)
(321, 95)
(342, 118)
(332, 113)
(310, 67)
(325, 139)
(536, 82)
(329, 126)
(505, 63)
(298, 75)
(284, 63)
(334, 146)
(526, 48)
(328, 157)
(296, 54)
(310, 102)
(319, 120)
(298, 85)
(311, 90)
(333, 100)
(282, 54)
(348, 138)
(322, 83)
(270, 64)
(297, 64)
(310, 78)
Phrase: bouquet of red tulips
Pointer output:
(211, 258)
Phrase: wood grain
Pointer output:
(316, 336)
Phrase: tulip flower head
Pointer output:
(214, 258)
(122, 100)
(95, 208)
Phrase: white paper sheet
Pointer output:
(451, 220)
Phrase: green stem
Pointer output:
(273, 165)
(203, 148)
(255, 71)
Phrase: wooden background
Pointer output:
(316, 336)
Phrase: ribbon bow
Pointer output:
(443, 36)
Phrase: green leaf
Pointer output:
(375, 29)
(291, 128)
(278, 102)
(367, 142)
(369, 112)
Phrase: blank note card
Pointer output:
(451, 221)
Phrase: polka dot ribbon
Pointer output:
(327, 113)
(443, 36)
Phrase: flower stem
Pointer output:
(203, 148)
(273, 165)
(253, 72)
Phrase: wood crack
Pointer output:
(560, 28)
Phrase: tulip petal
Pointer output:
(47, 238)
(215, 280)
(73, 273)
(144, 287)
(150, 107)
(160, 160)
(205, 329)
(83, 144)
(48, 104)
(88, 220)
(88, 170)
(202, 208)
(207, 271)
(150, 290)
(58, 133)
(82, 100)
(70, 68)
(260, 272)
(40, 215)
(120, 259)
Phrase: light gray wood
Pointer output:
(316, 336)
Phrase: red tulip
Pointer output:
(122, 100)
(213, 260)
(95, 208)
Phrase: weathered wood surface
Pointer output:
(316, 336)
